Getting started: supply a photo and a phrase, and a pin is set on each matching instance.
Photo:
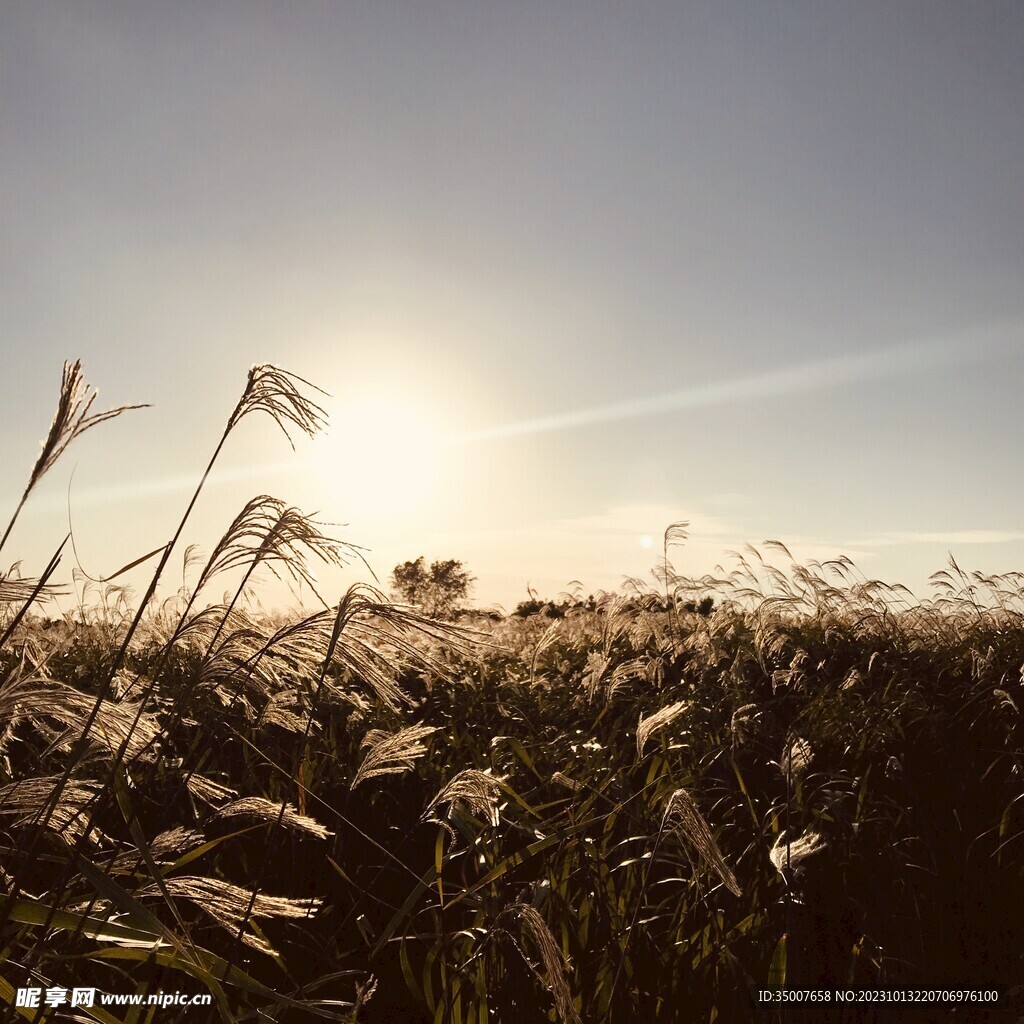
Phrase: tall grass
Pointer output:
(633, 812)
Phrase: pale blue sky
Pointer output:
(753, 265)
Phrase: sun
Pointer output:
(380, 457)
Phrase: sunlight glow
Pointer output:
(381, 457)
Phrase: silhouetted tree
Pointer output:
(437, 591)
(704, 607)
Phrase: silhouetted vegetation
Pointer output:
(437, 591)
(642, 806)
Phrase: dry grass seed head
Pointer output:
(71, 419)
(266, 531)
(646, 727)
(391, 753)
(372, 639)
(477, 790)
(18, 590)
(364, 993)
(562, 779)
(681, 815)
(30, 801)
(554, 970)
(796, 758)
(210, 792)
(231, 907)
(165, 847)
(743, 722)
(31, 698)
(276, 392)
(283, 711)
(267, 810)
(787, 855)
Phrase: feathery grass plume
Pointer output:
(632, 668)
(675, 533)
(28, 800)
(1005, 700)
(787, 855)
(545, 641)
(269, 389)
(268, 532)
(796, 758)
(31, 698)
(594, 673)
(562, 779)
(479, 792)
(38, 589)
(853, 678)
(267, 810)
(554, 970)
(231, 906)
(14, 589)
(70, 421)
(275, 392)
(167, 846)
(364, 993)
(646, 727)
(234, 667)
(391, 753)
(210, 792)
(682, 816)
(372, 640)
(283, 711)
(743, 720)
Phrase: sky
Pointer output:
(569, 272)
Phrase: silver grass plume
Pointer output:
(267, 810)
(554, 970)
(208, 791)
(165, 847)
(27, 799)
(742, 722)
(646, 727)
(633, 668)
(231, 906)
(268, 532)
(364, 993)
(594, 672)
(369, 640)
(787, 855)
(796, 758)
(563, 780)
(16, 590)
(283, 711)
(235, 660)
(31, 698)
(391, 753)
(275, 392)
(681, 815)
(71, 420)
(375, 637)
(477, 790)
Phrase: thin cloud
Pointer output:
(915, 358)
(949, 538)
(911, 359)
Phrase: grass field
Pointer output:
(644, 808)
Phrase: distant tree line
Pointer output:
(440, 590)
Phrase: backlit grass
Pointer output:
(645, 809)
